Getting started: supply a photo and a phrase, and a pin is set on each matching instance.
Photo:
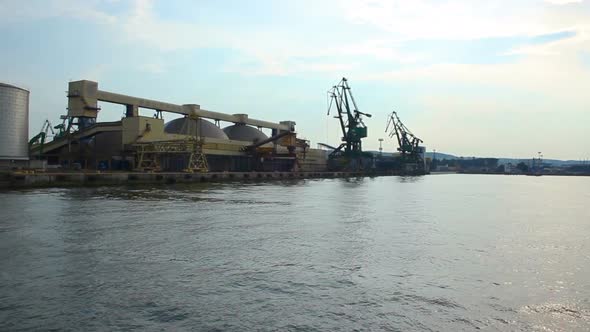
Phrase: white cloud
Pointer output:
(547, 77)
(563, 2)
(280, 52)
(269, 52)
(153, 68)
(96, 73)
(11, 11)
(457, 20)
(562, 78)
(273, 52)
(553, 69)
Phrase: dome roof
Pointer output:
(187, 126)
(240, 132)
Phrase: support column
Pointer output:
(132, 110)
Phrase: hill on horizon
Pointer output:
(501, 160)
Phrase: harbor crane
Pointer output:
(351, 123)
(41, 136)
(412, 154)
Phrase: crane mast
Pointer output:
(350, 118)
(412, 154)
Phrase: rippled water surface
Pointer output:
(441, 252)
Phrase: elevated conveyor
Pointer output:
(98, 128)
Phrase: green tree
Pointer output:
(522, 167)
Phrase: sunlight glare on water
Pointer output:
(444, 252)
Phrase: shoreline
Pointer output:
(23, 180)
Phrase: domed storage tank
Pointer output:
(242, 132)
(14, 123)
(187, 126)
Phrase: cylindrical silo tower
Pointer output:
(14, 124)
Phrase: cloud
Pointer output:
(555, 70)
(97, 72)
(269, 65)
(11, 11)
(455, 20)
(550, 77)
(153, 68)
(268, 52)
(563, 2)
(373, 40)
(261, 51)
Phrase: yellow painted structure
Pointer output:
(141, 133)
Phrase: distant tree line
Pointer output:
(490, 164)
(579, 169)
(522, 167)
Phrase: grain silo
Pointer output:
(14, 125)
(194, 127)
(242, 132)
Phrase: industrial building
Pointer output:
(14, 126)
(196, 142)
(83, 149)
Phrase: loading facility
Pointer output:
(194, 142)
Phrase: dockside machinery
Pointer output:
(349, 154)
(411, 153)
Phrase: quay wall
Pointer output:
(69, 179)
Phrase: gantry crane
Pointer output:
(351, 123)
(41, 136)
(412, 154)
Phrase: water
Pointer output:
(443, 252)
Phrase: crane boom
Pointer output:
(350, 118)
(41, 136)
(408, 144)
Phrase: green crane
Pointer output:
(409, 145)
(41, 136)
(351, 123)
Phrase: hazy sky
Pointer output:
(486, 78)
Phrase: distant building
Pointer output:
(478, 165)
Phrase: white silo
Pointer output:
(14, 125)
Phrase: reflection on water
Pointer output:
(446, 252)
(410, 179)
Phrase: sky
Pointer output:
(504, 78)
